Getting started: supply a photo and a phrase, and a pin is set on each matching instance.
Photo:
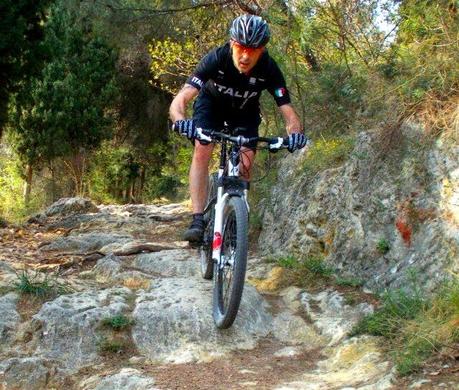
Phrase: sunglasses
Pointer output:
(245, 49)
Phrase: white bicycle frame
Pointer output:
(222, 200)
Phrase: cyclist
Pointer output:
(228, 82)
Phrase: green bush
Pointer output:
(397, 306)
(414, 325)
(118, 322)
(163, 186)
(308, 272)
(349, 282)
(39, 285)
(383, 246)
(12, 205)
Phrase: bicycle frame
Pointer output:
(223, 195)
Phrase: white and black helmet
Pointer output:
(250, 31)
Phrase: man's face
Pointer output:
(245, 58)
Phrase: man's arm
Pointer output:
(177, 110)
(292, 121)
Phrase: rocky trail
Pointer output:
(99, 265)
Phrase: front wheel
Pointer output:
(229, 272)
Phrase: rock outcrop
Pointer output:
(376, 216)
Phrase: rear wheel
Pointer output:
(230, 273)
(206, 248)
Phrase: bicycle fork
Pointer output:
(217, 241)
(218, 224)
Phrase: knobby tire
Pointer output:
(229, 281)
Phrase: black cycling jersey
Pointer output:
(218, 79)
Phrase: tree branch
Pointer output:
(159, 12)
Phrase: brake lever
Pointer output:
(201, 136)
(277, 145)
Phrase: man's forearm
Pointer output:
(292, 120)
(177, 110)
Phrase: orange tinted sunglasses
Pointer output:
(245, 49)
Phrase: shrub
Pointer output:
(414, 325)
(118, 322)
(383, 246)
(39, 286)
(349, 282)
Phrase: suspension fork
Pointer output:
(223, 198)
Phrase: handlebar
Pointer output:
(274, 143)
(209, 135)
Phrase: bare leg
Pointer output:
(245, 166)
(199, 173)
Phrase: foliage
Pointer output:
(398, 305)
(431, 331)
(415, 325)
(64, 110)
(39, 285)
(20, 53)
(349, 282)
(327, 153)
(118, 322)
(383, 246)
(12, 205)
(176, 54)
(115, 170)
(308, 272)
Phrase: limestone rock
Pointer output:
(69, 325)
(86, 242)
(7, 275)
(293, 330)
(126, 379)
(169, 263)
(173, 322)
(30, 373)
(357, 363)
(65, 207)
(9, 318)
(331, 316)
(108, 267)
(408, 200)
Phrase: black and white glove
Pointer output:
(185, 127)
(297, 141)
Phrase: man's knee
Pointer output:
(202, 153)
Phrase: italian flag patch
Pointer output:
(279, 92)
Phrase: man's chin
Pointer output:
(243, 68)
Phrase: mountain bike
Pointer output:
(223, 252)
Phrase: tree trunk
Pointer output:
(76, 167)
(28, 185)
(132, 191)
(311, 59)
(142, 183)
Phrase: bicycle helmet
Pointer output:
(250, 31)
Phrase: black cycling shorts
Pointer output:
(207, 114)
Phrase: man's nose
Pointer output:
(245, 55)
